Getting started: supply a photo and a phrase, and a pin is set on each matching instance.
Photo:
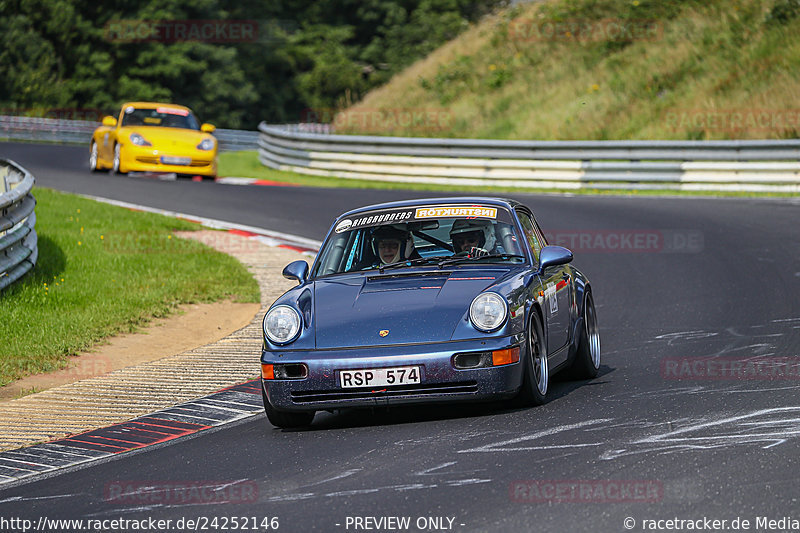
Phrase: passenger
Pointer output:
(469, 234)
(393, 243)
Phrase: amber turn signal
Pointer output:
(505, 357)
(267, 371)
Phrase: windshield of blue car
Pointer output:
(414, 238)
(165, 117)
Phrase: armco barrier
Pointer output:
(80, 132)
(18, 242)
(754, 166)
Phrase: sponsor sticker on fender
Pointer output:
(473, 211)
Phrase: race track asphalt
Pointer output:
(697, 285)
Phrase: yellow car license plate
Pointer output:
(171, 160)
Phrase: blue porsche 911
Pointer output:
(427, 301)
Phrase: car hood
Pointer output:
(167, 137)
(395, 308)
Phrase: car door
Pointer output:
(555, 281)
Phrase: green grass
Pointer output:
(104, 270)
(707, 71)
(247, 165)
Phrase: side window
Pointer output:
(530, 234)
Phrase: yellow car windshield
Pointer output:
(167, 117)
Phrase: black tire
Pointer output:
(536, 380)
(283, 419)
(587, 357)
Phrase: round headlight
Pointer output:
(206, 144)
(282, 324)
(488, 311)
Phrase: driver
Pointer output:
(393, 243)
(467, 234)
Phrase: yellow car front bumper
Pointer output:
(149, 159)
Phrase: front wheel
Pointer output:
(536, 381)
(587, 358)
(117, 160)
(283, 419)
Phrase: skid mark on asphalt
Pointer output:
(506, 445)
(698, 389)
(765, 427)
(346, 473)
(731, 337)
(673, 338)
(33, 498)
(446, 474)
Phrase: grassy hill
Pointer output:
(603, 69)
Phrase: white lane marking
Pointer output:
(501, 446)
(236, 180)
(5, 458)
(287, 238)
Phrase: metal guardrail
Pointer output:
(80, 132)
(755, 166)
(18, 242)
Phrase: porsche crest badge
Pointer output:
(383, 332)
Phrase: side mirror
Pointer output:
(109, 121)
(297, 270)
(553, 256)
(208, 128)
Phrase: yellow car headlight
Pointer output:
(207, 144)
(138, 140)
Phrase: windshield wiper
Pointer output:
(410, 262)
(445, 260)
(465, 258)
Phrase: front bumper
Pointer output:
(148, 159)
(441, 380)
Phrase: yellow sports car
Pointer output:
(152, 137)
